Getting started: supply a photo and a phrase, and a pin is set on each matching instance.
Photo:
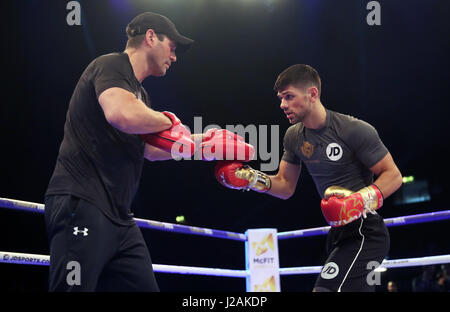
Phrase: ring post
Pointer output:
(262, 262)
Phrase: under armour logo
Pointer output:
(76, 231)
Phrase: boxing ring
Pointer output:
(248, 273)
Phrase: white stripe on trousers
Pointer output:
(357, 254)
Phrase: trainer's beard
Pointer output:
(161, 71)
(157, 69)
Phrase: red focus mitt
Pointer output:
(225, 145)
(341, 206)
(175, 140)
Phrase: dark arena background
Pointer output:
(393, 74)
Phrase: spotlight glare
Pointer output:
(381, 269)
(409, 179)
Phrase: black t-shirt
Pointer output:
(340, 153)
(96, 161)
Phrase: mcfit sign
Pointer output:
(262, 260)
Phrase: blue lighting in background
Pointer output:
(415, 191)
(123, 6)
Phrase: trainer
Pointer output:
(95, 245)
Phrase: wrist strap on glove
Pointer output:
(258, 181)
(372, 196)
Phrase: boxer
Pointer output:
(342, 154)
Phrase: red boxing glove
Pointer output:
(341, 206)
(224, 172)
(225, 145)
(236, 175)
(175, 140)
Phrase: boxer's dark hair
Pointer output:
(299, 75)
(134, 41)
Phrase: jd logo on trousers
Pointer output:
(329, 271)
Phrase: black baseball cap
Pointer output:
(160, 24)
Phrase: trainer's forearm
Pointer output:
(127, 113)
(153, 153)
(197, 137)
(139, 119)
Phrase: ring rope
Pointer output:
(143, 223)
(33, 259)
(397, 221)
(163, 226)
(388, 264)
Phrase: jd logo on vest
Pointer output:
(334, 151)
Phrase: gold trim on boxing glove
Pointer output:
(373, 198)
(258, 181)
(337, 191)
